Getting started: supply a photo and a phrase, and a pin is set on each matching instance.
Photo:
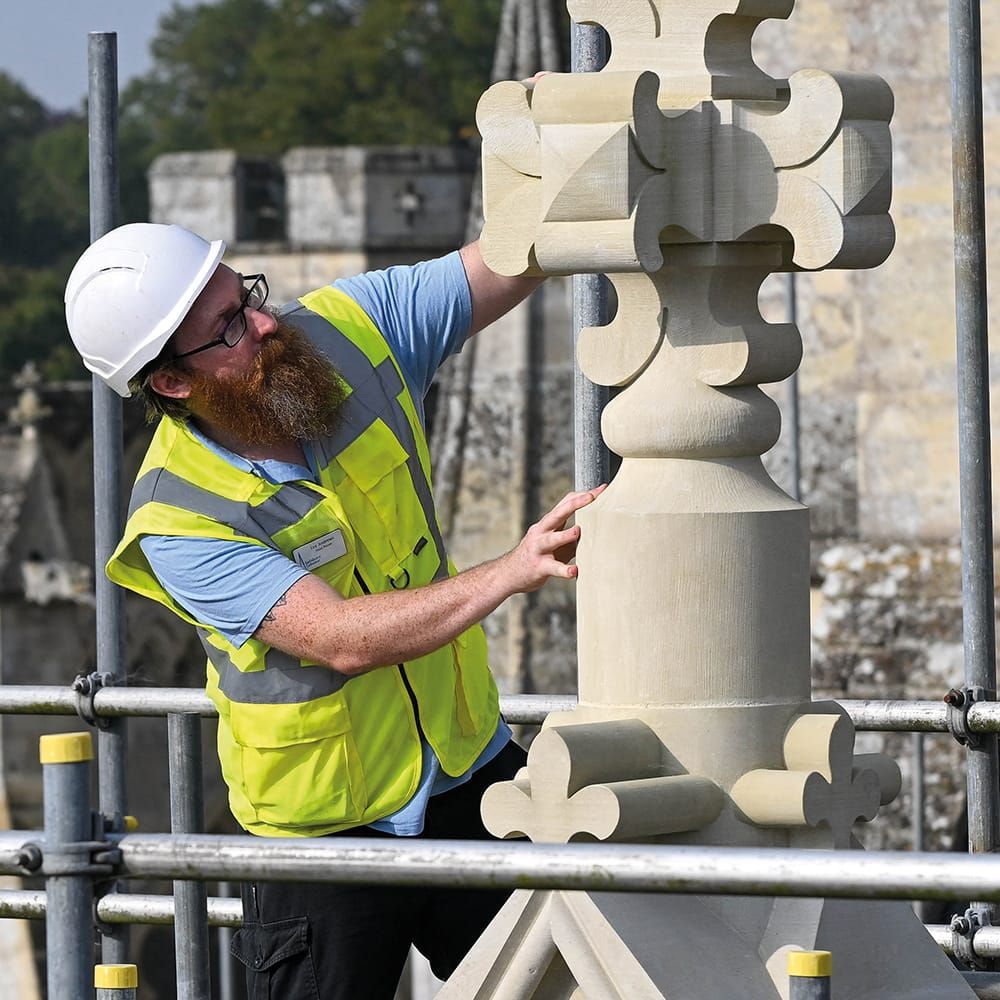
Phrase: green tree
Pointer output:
(44, 220)
(32, 323)
(260, 76)
(200, 57)
(22, 117)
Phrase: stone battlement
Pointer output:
(346, 198)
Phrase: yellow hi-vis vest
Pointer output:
(304, 749)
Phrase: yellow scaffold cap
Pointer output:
(65, 748)
(116, 977)
(810, 964)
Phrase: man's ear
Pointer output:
(167, 382)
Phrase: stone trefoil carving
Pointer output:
(688, 175)
(599, 781)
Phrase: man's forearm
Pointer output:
(377, 630)
(312, 621)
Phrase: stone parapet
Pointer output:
(352, 199)
(219, 193)
(396, 197)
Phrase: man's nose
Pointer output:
(262, 322)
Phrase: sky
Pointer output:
(43, 43)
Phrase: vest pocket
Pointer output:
(300, 765)
(371, 458)
(377, 492)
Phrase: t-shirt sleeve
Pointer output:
(423, 310)
(227, 584)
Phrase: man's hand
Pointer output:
(548, 546)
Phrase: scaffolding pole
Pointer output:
(744, 871)
(120, 908)
(187, 815)
(66, 864)
(867, 716)
(917, 804)
(227, 913)
(107, 409)
(794, 432)
(974, 417)
(592, 465)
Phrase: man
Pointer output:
(284, 509)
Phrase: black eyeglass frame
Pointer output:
(224, 339)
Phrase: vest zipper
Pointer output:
(399, 667)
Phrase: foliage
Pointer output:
(32, 324)
(258, 76)
(44, 221)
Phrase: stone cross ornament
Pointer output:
(688, 175)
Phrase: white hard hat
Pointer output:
(130, 291)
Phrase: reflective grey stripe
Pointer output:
(374, 392)
(359, 414)
(286, 507)
(400, 425)
(283, 681)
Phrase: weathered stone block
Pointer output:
(354, 197)
(220, 194)
(887, 623)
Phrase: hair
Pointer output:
(158, 405)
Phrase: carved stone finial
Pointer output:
(29, 410)
(707, 199)
(688, 175)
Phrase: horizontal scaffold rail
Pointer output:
(736, 871)
(121, 908)
(871, 716)
(137, 908)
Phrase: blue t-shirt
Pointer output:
(424, 312)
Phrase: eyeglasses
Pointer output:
(254, 297)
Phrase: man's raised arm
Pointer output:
(493, 295)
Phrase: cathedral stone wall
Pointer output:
(879, 438)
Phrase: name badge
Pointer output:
(321, 550)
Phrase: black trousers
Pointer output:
(304, 941)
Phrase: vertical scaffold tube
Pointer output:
(102, 64)
(187, 815)
(69, 891)
(917, 790)
(794, 432)
(983, 778)
(589, 53)
(227, 981)
(918, 806)
(809, 975)
(116, 982)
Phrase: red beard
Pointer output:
(290, 392)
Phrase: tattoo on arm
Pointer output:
(269, 617)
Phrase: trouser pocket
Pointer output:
(278, 959)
